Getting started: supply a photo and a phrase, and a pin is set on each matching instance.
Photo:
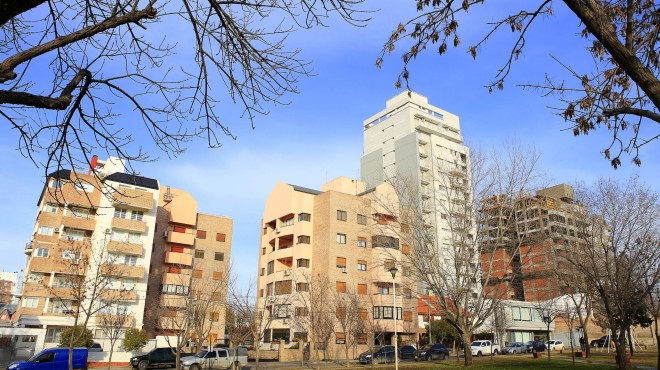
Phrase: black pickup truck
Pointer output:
(156, 358)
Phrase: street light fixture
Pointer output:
(393, 271)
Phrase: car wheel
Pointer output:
(479, 354)
(445, 356)
(495, 353)
(143, 365)
(194, 367)
(428, 357)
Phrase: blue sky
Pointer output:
(318, 136)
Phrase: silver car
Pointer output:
(514, 347)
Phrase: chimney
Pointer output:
(92, 165)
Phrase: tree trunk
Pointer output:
(657, 341)
(621, 357)
(468, 352)
(630, 343)
(548, 335)
(110, 356)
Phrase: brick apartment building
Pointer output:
(341, 235)
(118, 230)
(548, 224)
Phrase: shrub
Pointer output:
(82, 337)
(134, 339)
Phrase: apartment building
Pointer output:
(8, 287)
(547, 225)
(420, 147)
(94, 240)
(189, 269)
(321, 250)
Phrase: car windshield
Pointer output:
(34, 357)
(201, 354)
(476, 344)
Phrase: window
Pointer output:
(287, 222)
(302, 287)
(340, 312)
(362, 338)
(77, 235)
(50, 207)
(217, 275)
(201, 234)
(384, 290)
(302, 262)
(363, 314)
(120, 212)
(340, 286)
(405, 249)
(69, 254)
(137, 215)
(340, 338)
(302, 311)
(56, 183)
(199, 254)
(303, 239)
(263, 251)
(304, 217)
(46, 230)
(341, 238)
(83, 186)
(341, 215)
(383, 241)
(220, 237)
(197, 273)
(362, 219)
(219, 256)
(130, 260)
(270, 267)
(174, 289)
(386, 312)
(127, 284)
(42, 252)
(53, 335)
(341, 262)
(262, 272)
(78, 212)
(283, 287)
(216, 297)
(179, 229)
(361, 242)
(362, 289)
(407, 316)
(30, 302)
(362, 265)
(126, 237)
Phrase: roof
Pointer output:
(60, 174)
(424, 302)
(305, 190)
(136, 180)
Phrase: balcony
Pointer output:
(422, 124)
(125, 248)
(167, 300)
(128, 295)
(83, 222)
(136, 272)
(125, 321)
(133, 198)
(176, 258)
(180, 238)
(58, 265)
(28, 248)
(176, 279)
(130, 225)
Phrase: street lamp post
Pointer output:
(393, 271)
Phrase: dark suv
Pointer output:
(536, 346)
(382, 355)
(602, 342)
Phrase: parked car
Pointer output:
(602, 342)
(53, 359)
(556, 345)
(380, 355)
(225, 358)
(536, 346)
(433, 352)
(484, 348)
(96, 347)
(514, 347)
(407, 352)
(157, 357)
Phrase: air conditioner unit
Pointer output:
(344, 270)
(277, 231)
(108, 231)
(287, 272)
(165, 234)
(57, 229)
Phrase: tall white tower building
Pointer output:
(415, 140)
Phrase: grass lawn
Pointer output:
(498, 363)
(648, 357)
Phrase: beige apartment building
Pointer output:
(111, 234)
(323, 251)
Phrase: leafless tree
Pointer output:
(548, 311)
(620, 239)
(464, 259)
(569, 312)
(654, 304)
(621, 94)
(348, 308)
(240, 311)
(86, 285)
(113, 324)
(71, 69)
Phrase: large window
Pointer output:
(341, 215)
(304, 217)
(302, 287)
(56, 183)
(174, 289)
(521, 313)
(69, 254)
(362, 219)
(270, 267)
(303, 262)
(30, 302)
(137, 215)
(50, 207)
(42, 252)
(341, 238)
(126, 237)
(219, 256)
(282, 311)
(53, 335)
(46, 230)
(287, 222)
(383, 241)
(78, 212)
(74, 235)
(303, 239)
(387, 312)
